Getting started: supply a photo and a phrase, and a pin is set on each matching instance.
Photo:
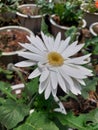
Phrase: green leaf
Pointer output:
(44, 27)
(74, 121)
(32, 87)
(5, 88)
(86, 121)
(11, 113)
(92, 119)
(38, 121)
(90, 86)
(72, 32)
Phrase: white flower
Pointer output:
(55, 64)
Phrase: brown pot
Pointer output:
(55, 28)
(94, 29)
(9, 46)
(31, 21)
(89, 17)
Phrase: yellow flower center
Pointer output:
(55, 59)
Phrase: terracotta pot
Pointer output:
(55, 28)
(94, 29)
(33, 22)
(11, 56)
(89, 17)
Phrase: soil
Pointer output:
(9, 40)
(29, 10)
(82, 105)
(95, 28)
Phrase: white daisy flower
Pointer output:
(56, 66)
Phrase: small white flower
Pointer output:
(61, 107)
(55, 64)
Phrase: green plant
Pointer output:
(90, 6)
(68, 13)
(46, 7)
(8, 5)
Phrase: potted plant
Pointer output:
(66, 15)
(90, 9)
(94, 29)
(10, 36)
(30, 17)
(8, 8)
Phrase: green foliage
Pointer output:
(68, 13)
(6, 90)
(45, 6)
(32, 87)
(8, 5)
(92, 44)
(73, 33)
(44, 105)
(82, 122)
(38, 121)
(11, 113)
(90, 6)
(6, 73)
(90, 86)
(44, 27)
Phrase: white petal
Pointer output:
(72, 49)
(81, 82)
(63, 45)
(51, 42)
(61, 82)
(31, 48)
(46, 41)
(85, 71)
(66, 77)
(54, 80)
(34, 74)
(79, 60)
(36, 41)
(77, 89)
(44, 75)
(57, 41)
(31, 56)
(25, 63)
(61, 107)
(48, 90)
(54, 92)
(40, 43)
(43, 85)
(74, 72)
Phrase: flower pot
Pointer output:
(9, 46)
(17, 89)
(94, 29)
(31, 21)
(30, 1)
(55, 28)
(89, 17)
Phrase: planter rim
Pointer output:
(64, 27)
(91, 28)
(17, 86)
(15, 27)
(81, 7)
(26, 16)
